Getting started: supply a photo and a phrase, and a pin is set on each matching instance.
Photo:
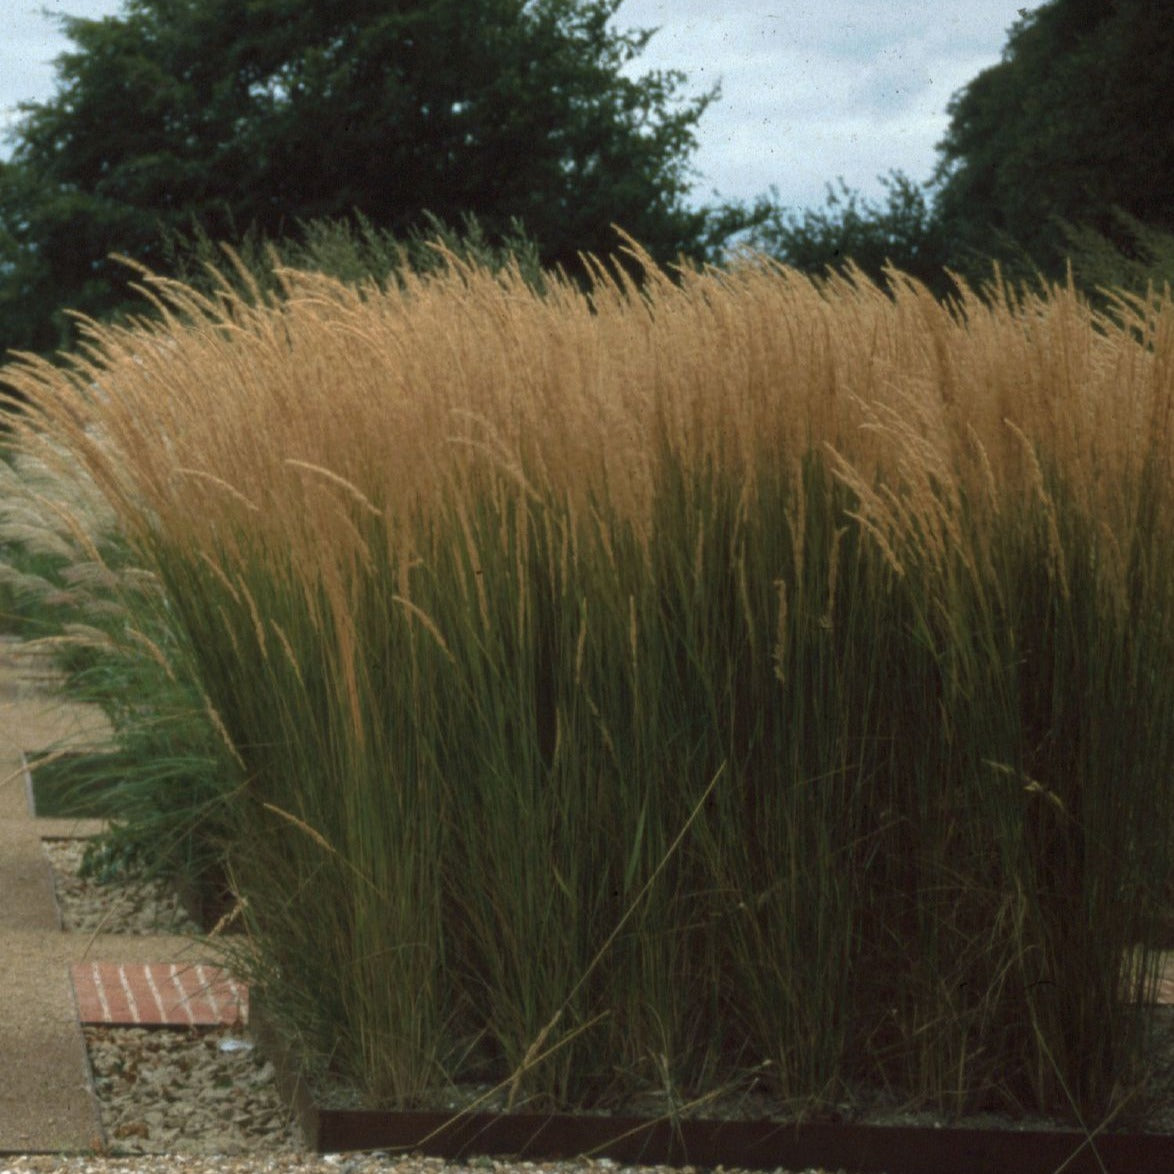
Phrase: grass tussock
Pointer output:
(725, 682)
(74, 590)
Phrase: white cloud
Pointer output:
(812, 91)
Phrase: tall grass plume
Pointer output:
(488, 584)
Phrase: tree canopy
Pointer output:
(901, 232)
(222, 119)
(1073, 126)
(1063, 151)
(259, 114)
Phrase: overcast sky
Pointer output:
(811, 89)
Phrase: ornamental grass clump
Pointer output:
(71, 588)
(692, 687)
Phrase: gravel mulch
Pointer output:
(187, 1092)
(325, 1164)
(132, 906)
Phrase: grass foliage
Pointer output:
(726, 682)
(70, 586)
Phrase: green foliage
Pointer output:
(1062, 151)
(902, 233)
(166, 785)
(53, 238)
(255, 116)
(77, 786)
(69, 584)
(1075, 121)
(1136, 259)
(353, 251)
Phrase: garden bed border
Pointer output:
(750, 1145)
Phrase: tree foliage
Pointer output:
(259, 114)
(1138, 260)
(1062, 152)
(900, 232)
(353, 251)
(1072, 127)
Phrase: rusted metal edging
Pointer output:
(762, 1145)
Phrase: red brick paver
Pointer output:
(168, 995)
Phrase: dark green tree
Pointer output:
(1064, 151)
(238, 115)
(1137, 260)
(1074, 126)
(901, 231)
